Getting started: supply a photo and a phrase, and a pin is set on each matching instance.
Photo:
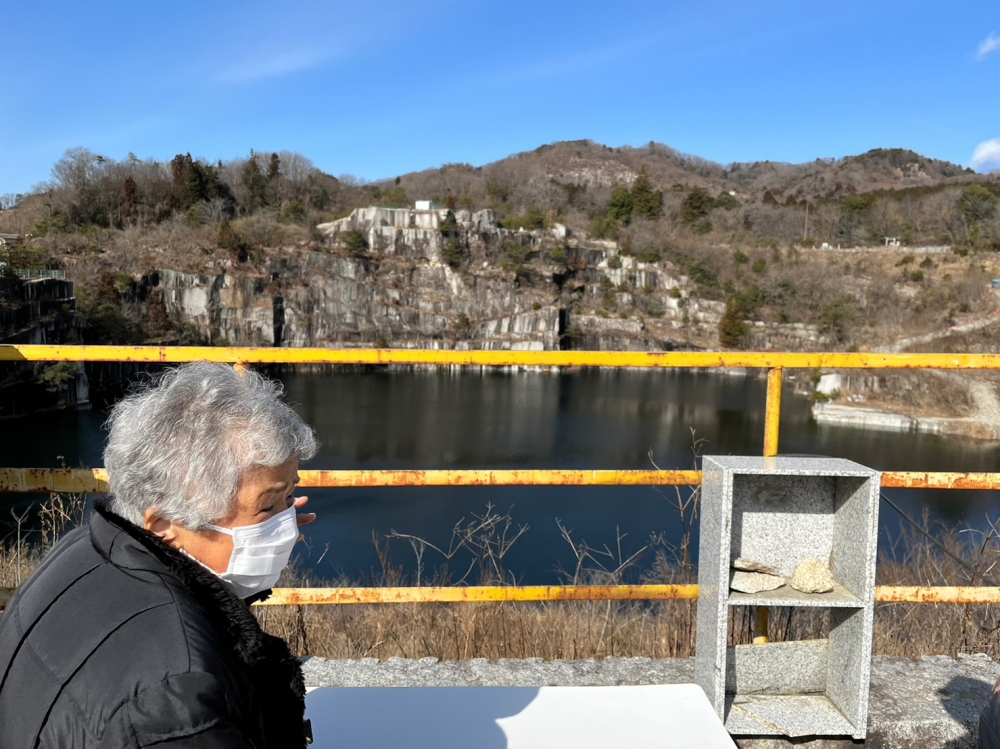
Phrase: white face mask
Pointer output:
(260, 552)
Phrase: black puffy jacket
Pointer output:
(989, 723)
(117, 640)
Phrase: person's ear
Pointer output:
(159, 526)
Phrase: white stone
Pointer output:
(755, 582)
(751, 565)
(812, 576)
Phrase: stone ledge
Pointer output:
(932, 702)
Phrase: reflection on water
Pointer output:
(587, 419)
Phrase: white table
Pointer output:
(678, 716)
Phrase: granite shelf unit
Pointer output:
(780, 511)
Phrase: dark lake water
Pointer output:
(583, 420)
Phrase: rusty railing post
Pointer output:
(772, 427)
(772, 413)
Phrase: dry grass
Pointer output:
(33, 534)
(914, 393)
(575, 630)
(658, 630)
(493, 631)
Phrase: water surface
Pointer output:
(582, 420)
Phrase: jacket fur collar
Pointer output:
(274, 671)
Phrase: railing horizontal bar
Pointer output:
(94, 480)
(935, 594)
(670, 359)
(483, 594)
(939, 480)
(542, 593)
(552, 593)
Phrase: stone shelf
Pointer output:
(797, 715)
(839, 597)
(779, 512)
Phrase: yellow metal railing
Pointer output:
(669, 360)
(95, 480)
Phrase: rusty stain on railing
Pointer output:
(939, 480)
(95, 480)
(551, 593)
(481, 594)
(641, 359)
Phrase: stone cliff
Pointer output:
(383, 278)
(39, 311)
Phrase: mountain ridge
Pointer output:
(588, 164)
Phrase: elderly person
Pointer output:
(136, 630)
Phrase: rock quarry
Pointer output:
(520, 290)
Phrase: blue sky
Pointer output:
(379, 89)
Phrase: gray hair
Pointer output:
(182, 444)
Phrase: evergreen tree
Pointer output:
(253, 183)
(646, 201)
(726, 202)
(620, 205)
(273, 168)
(696, 206)
(185, 189)
(977, 203)
(192, 182)
(449, 226)
(733, 326)
(395, 198)
(453, 252)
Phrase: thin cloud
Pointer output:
(986, 157)
(274, 41)
(275, 64)
(988, 46)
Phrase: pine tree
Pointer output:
(733, 326)
(187, 186)
(646, 201)
(253, 183)
(696, 206)
(620, 205)
(449, 226)
(273, 168)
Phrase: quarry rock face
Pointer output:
(512, 290)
